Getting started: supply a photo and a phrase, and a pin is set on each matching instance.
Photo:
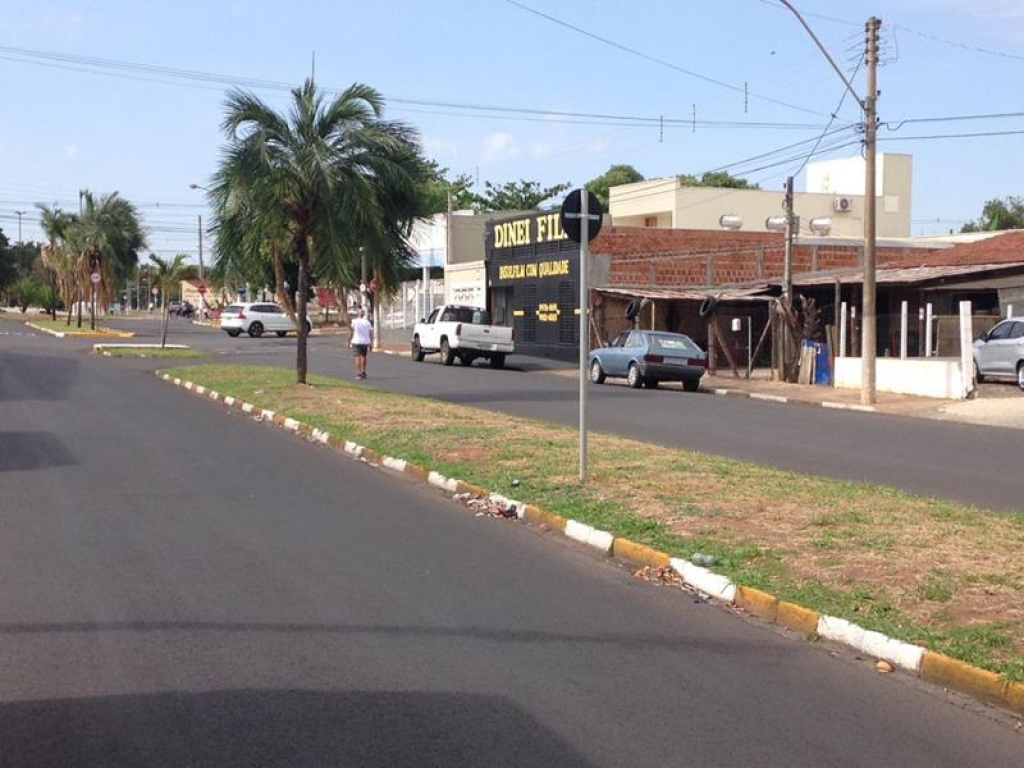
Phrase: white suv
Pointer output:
(257, 318)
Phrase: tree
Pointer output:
(613, 177)
(166, 275)
(317, 185)
(438, 185)
(105, 237)
(516, 195)
(716, 179)
(998, 215)
(28, 291)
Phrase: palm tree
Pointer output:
(105, 237)
(166, 274)
(317, 184)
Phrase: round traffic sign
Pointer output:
(572, 215)
(201, 288)
(95, 277)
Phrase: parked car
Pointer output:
(647, 358)
(999, 352)
(257, 318)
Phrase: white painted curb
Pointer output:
(771, 398)
(229, 401)
(353, 448)
(267, 415)
(247, 407)
(589, 535)
(871, 643)
(392, 463)
(291, 424)
(713, 584)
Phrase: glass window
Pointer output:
(1017, 331)
(635, 340)
(433, 315)
(674, 343)
(620, 340)
(1001, 331)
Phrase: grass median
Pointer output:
(942, 575)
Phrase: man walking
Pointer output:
(360, 339)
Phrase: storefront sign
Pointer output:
(533, 269)
(545, 228)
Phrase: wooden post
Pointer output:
(712, 355)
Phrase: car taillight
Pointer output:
(241, 314)
(698, 361)
(654, 358)
(458, 329)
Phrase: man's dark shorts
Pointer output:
(361, 349)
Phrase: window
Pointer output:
(635, 340)
(1001, 331)
(620, 340)
(433, 315)
(1017, 331)
(674, 343)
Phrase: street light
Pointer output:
(20, 214)
(202, 284)
(868, 107)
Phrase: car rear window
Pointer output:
(674, 343)
(232, 309)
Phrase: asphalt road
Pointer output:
(185, 586)
(955, 461)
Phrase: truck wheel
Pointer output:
(417, 351)
(498, 360)
(447, 356)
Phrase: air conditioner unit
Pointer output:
(842, 204)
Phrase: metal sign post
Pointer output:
(581, 220)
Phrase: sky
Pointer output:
(128, 95)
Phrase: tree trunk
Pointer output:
(302, 246)
(282, 293)
(163, 328)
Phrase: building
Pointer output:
(834, 194)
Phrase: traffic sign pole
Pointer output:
(584, 334)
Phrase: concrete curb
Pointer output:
(725, 392)
(76, 334)
(933, 667)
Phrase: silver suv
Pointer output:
(999, 352)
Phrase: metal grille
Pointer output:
(566, 313)
(528, 327)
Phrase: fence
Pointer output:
(410, 303)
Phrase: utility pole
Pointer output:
(788, 342)
(868, 310)
(202, 295)
(20, 214)
(869, 106)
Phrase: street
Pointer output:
(942, 459)
(183, 585)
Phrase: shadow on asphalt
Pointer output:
(32, 450)
(279, 727)
(61, 373)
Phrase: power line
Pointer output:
(654, 59)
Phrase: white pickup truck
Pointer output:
(463, 334)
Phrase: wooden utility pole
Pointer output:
(868, 310)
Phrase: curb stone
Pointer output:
(930, 666)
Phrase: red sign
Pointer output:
(201, 288)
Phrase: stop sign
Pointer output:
(202, 288)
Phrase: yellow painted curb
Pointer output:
(372, 456)
(418, 472)
(980, 683)
(639, 553)
(540, 517)
(798, 618)
(758, 603)
(464, 487)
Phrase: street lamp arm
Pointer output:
(824, 51)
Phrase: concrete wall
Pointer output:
(666, 203)
(927, 377)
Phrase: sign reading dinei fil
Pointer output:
(545, 228)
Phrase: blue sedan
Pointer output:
(647, 358)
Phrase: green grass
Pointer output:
(537, 463)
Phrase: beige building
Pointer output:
(834, 195)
